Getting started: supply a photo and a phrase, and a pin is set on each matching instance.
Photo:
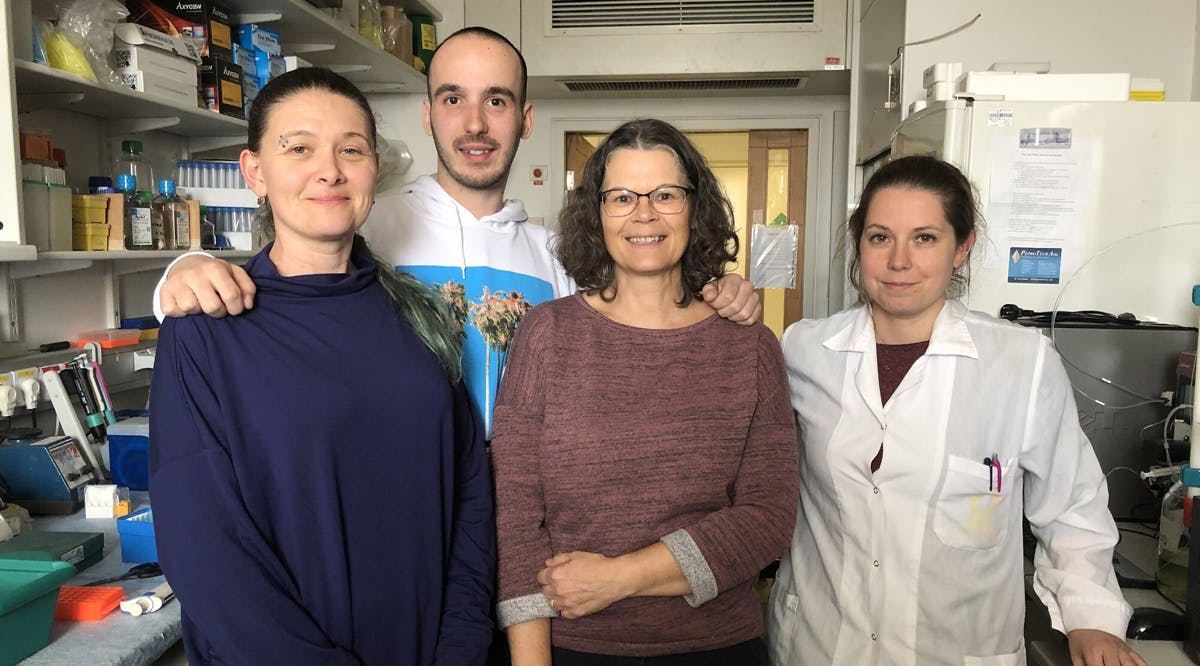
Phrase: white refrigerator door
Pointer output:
(1105, 194)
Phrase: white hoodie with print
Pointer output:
(490, 269)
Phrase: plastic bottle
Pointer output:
(1173, 546)
(139, 221)
(131, 161)
(208, 231)
(172, 215)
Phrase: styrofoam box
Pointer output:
(131, 59)
(1022, 87)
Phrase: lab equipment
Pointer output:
(1053, 179)
(144, 570)
(1155, 624)
(1118, 370)
(171, 214)
(131, 161)
(28, 594)
(46, 476)
(137, 537)
(82, 549)
(148, 603)
(86, 604)
(139, 219)
(1171, 577)
(129, 453)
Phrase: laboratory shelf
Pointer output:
(42, 87)
(138, 254)
(12, 252)
(309, 33)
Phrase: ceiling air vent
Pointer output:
(565, 14)
(677, 85)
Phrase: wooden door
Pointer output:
(777, 185)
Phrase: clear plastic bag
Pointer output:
(82, 38)
(369, 22)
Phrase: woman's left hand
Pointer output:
(579, 583)
(1092, 647)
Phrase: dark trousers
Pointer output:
(751, 653)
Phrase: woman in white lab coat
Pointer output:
(927, 430)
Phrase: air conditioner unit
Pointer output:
(569, 42)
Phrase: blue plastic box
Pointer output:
(137, 537)
(129, 453)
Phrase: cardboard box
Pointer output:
(221, 83)
(47, 215)
(129, 35)
(116, 221)
(256, 37)
(245, 57)
(171, 88)
(128, 59)
(267, 67)
(205, 22)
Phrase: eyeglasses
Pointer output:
(620, 202)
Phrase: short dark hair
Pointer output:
(712, 240)
(486, 33)
(287, 84)
(927, 174)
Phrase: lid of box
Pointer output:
(140, 35)
(23, 580)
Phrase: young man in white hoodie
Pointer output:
(454, 230)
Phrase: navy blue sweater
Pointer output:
(320, 490)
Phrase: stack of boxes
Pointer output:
(258, 52)
(206, 26)
(151, 61)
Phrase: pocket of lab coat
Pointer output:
(968, 514)
(1013, 659)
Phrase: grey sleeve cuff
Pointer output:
(694, 567)
(523, 609)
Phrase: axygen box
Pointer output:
(205, 22)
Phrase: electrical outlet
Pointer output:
(19, 376)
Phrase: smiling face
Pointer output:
(317, 166)
(908, 253)
(475, 113)
(645, 242)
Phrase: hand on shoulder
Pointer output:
(201, 283)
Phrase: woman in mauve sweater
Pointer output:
(644, 448)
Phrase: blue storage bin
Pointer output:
(129, 453)
(137, 537)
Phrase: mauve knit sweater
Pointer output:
(609, 438)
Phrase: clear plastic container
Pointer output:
(133, 162)
(1171, 577)
(109, 337)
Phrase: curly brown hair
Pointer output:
(712, 241)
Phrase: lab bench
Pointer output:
(1046, 647)
(120, 638)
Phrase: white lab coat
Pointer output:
(920, 563)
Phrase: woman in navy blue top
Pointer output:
(320, 490)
